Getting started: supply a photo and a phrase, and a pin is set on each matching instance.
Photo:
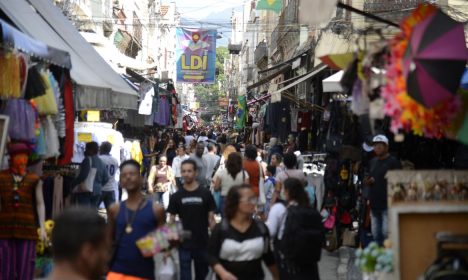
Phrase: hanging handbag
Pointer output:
(330, 222)
(349, 238)
(331, 240)
(88, 184)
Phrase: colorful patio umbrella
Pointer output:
(435, 59)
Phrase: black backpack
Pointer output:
(303, 236)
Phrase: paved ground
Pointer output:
(328, 265)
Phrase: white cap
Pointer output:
(380, 139)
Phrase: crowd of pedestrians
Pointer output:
(234, 200)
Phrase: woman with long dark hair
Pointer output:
(232, 175)
(170, 151)
(239, 244)
(286, 219)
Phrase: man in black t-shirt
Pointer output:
(379, 166)
(195, 207)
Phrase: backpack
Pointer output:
(303, 235)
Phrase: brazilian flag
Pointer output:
(241, 111)
(273, 5)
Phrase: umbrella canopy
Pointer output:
(435, 59)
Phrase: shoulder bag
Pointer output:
(261, 187)
(88, 184)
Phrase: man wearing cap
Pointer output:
(379, 166)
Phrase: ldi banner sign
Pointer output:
(196, 55)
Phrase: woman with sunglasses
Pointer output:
(239, 244)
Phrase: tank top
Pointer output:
(129, 260)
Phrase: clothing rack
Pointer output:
(54, 170)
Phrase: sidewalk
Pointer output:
(339, 265)
(346, 269)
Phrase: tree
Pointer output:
(208, 95)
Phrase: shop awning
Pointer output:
(26, 44)
(287, 62)
(309, 75)
(98, 85)
(269, 77)
(332, 83)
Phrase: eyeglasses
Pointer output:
(251, 200)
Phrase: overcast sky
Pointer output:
(200, 9)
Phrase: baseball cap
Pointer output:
(380, 139)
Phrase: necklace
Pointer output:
(17, 182)
(129, 222)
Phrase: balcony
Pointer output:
(289, 17)
(261, 53)
(274, 38)
(394, 10)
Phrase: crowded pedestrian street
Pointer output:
(233, 139)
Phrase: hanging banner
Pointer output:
(241, 111)
(196, 55)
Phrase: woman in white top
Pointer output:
(232, 175)
(229, 149)
(176, 164)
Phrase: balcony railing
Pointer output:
(393, 10)
(261, 52)
(289, 17)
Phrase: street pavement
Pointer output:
(337, 265)
(328, 266)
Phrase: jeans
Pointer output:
(161, 198)
(200, 258)
(86, 199)
(379, 225)
(108, 197)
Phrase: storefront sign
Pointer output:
(196, 55)
(85, 137)
(93, 116)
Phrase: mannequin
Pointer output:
(21, 202)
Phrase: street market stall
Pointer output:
(36, 100)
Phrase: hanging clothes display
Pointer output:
(67, 89)
(162, 116)
(10, 79)
(146, 105)
(23, 115)
(47, 103)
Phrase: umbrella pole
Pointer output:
(365, 14)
